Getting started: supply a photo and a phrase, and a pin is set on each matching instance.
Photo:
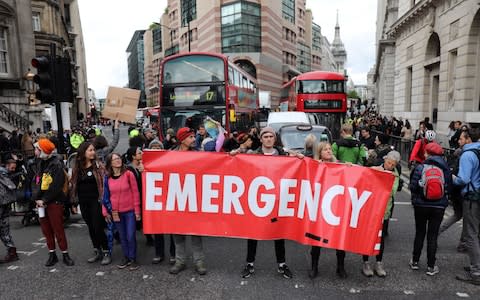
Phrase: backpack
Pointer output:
(432, 182)
(8, 189)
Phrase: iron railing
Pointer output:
(14, 119)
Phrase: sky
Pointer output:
(107, 35)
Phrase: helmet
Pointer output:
(430, 135)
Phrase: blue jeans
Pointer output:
(127, 231)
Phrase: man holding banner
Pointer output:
(267, 140)
(186, 140)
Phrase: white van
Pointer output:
(279, 119)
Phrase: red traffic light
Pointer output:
(40, 62)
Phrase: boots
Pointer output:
(11, 256)
(314, 271)
(52, 259)
(97, 256)
(67, 260)
(107, 259)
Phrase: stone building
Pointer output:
(27, 28)
(274, 40)
(428, 60)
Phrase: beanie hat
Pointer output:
(434, 149)
(46, 146)
(183, 133)
(267, 130)
(155, 142)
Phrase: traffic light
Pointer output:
(63, 80)
(44, 78)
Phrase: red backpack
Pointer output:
(433, 182)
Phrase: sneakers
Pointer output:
(125, 263)
(367, 269)
(285, 271)
(248, 271)
(379, 270)
(133, 265)
(177, 268)
(96, 257)
(200, 268)
(413, 264)
(431, 271)
(469, 278)
(52, 259)
(157, 259)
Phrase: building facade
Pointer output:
(135, 60)
(27, 28)
(273, 40)
(428, 60)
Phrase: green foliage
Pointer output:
(353, 94)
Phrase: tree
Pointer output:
(353, 94)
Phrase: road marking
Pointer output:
(243, 282)
(42, 239)
(192, 279)
(53, 270)
(354, 291)
(43, 245)
(393, 220)
(147, 276)
(27, 253)
(463, 295)
(403, 203)
(409, 292)
(78, 225)
(100, 274)
(13, 267)
(299, 286)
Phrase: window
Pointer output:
(288, 10)
(189, 11)
(36, 22)
(241, 27)
(230, 75)
(157, 40)
(3, 51)
(304, 58)
(408, 90)
(316, 37)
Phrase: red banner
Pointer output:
(265, 197)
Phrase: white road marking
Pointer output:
(243, 282)
(53, 270)
(43, 245)
(403, 203)
(13, 267)
(78, 225)
(27, 253)
(354, 291)
(100, 274)
(463, 295)
(42, 239)
(409, 292)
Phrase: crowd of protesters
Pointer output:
(107, 186)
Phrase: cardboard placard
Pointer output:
(121, 104)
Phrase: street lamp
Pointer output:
(169, 30)
(30, 87)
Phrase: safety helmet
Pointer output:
(430, 135)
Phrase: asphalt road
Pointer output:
(28, 278)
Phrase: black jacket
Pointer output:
(51, 179)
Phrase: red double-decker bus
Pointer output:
(319, 93)
(196, 85)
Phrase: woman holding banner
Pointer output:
(390, 162)
(324, 153)
(125, 207)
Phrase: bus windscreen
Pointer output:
(195, 68)
(320, 86)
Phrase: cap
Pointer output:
(46, 146)
(267, 130)
(183, 133)
(434, 149)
